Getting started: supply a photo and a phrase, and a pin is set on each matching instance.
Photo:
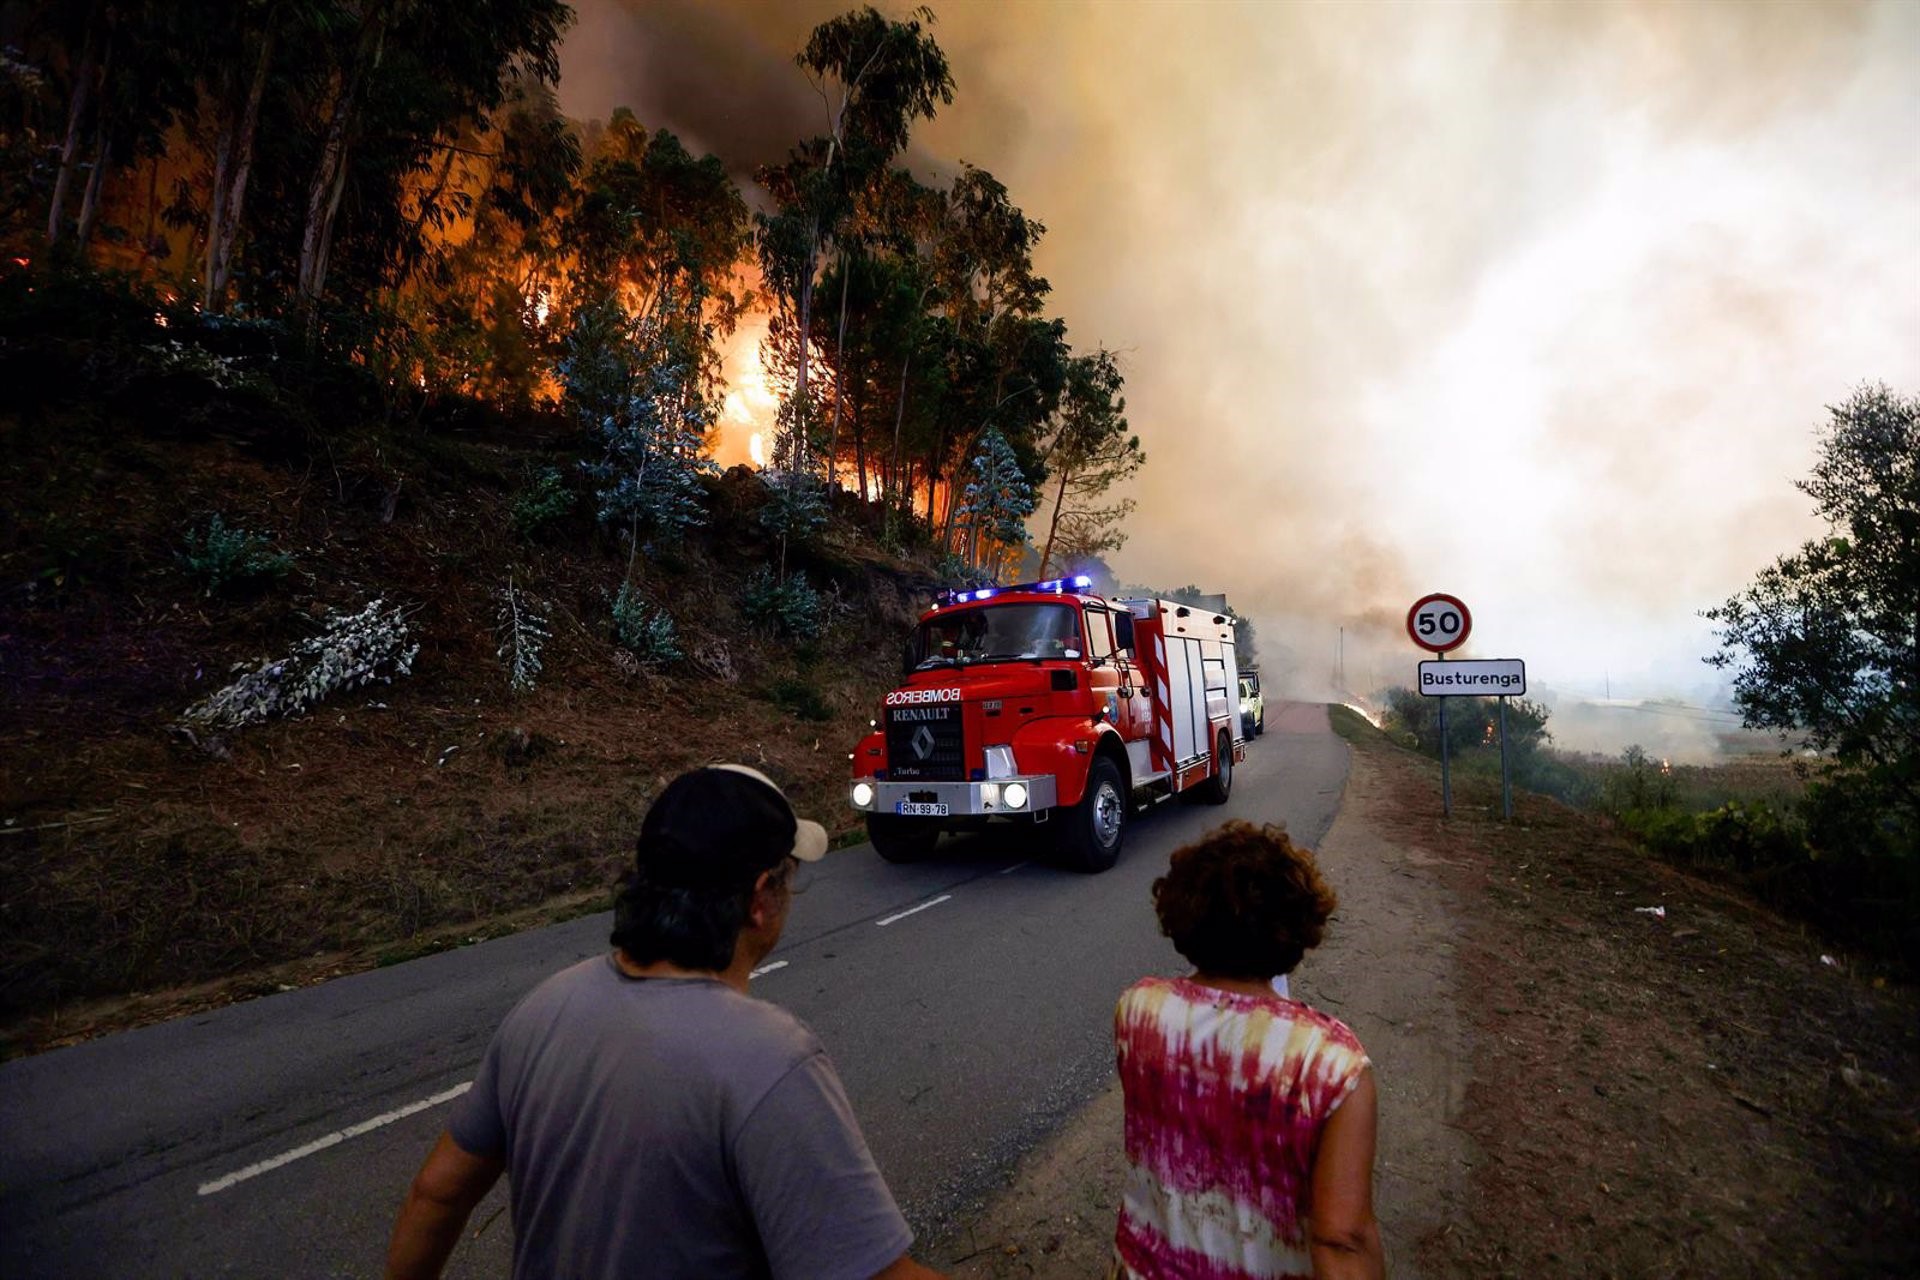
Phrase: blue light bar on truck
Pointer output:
(1055, 586)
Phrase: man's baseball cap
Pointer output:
(719, 828)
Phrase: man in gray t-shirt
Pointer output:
(654, 1119)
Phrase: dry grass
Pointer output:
(1694, 1094)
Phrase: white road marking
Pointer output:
(913, 910)
(1015, 867)
(333, 1139)
(768, 968)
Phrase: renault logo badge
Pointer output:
(923, 742)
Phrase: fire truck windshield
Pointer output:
(996, 633)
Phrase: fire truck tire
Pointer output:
(1219, 787)
(1092, 832)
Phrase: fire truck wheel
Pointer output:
(1219, 787)
(900, 839)
(1091, 832)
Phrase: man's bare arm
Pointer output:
(1342, 1230)
(442, 1196)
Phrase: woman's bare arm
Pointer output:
(1341, 1227)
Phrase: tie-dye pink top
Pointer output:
(1226, 1095)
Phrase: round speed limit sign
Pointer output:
(1439, 622)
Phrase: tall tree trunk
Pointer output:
(895, 477)
(860, 456)
(83, 78)
(153, 216)
(226, 234)
(330, 176)
(1053, 525)
(90, 202)
(839, 377)
(802, 445)
(217, 204)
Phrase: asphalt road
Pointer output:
(966, 1000)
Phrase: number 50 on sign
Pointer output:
(1439, 622)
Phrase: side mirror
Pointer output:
(906, 658)
(1123, 630)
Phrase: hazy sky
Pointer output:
(1539, 304)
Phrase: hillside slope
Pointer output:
(395, 816)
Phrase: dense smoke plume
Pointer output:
(1533, 303)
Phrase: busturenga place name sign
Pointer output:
(1474, 678)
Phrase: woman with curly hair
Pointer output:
(1249, 1116)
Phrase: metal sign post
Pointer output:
(1506, 782)
(1437, 623)
(1446, 761)
(1475, 678)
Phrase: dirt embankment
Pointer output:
(392, 819)
(1570, 1086)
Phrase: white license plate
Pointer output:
(908, 809)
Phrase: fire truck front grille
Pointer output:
(926, 743)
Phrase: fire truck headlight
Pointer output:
(862, 795)
(1015, 794)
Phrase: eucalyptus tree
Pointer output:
(1087, 451)
(489, 295)
(660, 232)
(1006, 360)
(659, 226)
(241, 49)
(875, 77)
(130, 77)
(397, 82)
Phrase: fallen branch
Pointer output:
(49, 826)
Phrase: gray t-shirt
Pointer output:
(673, 1127)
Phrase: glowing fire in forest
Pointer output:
(751, 405)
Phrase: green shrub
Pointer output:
(221, 558)
(644, 629)
(543, 500)
(955, 574)
(1638, 783)
(792, 608)
(800, 698)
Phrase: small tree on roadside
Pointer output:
(1825, 642)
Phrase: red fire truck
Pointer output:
(1044, 703)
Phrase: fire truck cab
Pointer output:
(1044, 703)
